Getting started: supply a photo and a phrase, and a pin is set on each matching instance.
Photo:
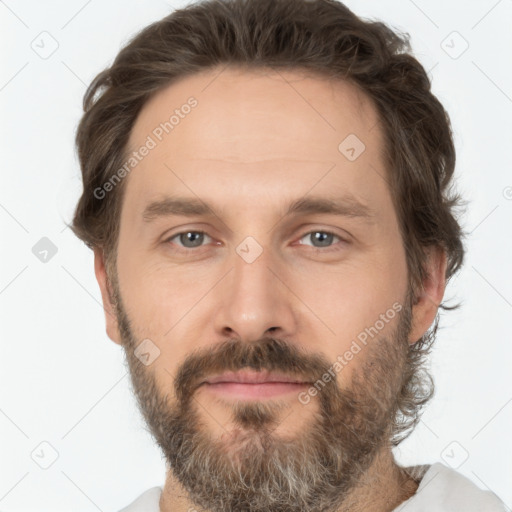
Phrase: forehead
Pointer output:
(245, 129)
(233, 104)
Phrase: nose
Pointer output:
(254, 300)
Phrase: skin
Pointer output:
(256, 142)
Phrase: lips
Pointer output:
(253, 385)
(253, 377)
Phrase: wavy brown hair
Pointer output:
(322, 37)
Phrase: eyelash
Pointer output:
(197, 249)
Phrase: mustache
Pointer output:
(271, 354)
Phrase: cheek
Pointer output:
(162, 303)
(150, 306)
(157, 303)
(342, 302)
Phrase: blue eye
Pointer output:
(325, 239)
(195, 238)
(188, 240)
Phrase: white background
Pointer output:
(64, 381)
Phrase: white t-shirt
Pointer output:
(441, 489)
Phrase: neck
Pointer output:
(382, 488)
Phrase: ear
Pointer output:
(106, 295)
(427, 302)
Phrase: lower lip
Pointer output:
(261, 390)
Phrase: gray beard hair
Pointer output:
(250, 469)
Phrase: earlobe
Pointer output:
(429, 298)
(106, 296)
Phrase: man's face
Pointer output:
(263, 289)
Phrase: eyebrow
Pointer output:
(345, 206)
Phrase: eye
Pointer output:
(324, 239)
(188, 239)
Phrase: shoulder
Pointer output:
(148, 501)
(445, 489)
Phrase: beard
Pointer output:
(250, 467)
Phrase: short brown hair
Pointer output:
(320, 36)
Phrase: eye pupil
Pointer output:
(184, 238)
(324, 238)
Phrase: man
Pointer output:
(266, 193)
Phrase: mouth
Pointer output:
(253, 385)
